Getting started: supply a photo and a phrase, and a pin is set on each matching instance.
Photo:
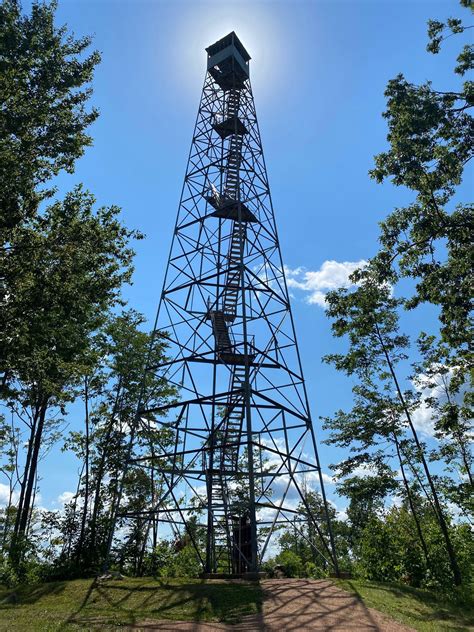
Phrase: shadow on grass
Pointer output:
(114, 602)
(29, 594)
(432, 606)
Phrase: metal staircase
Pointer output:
(233, 418)
(228, 432)
(234, 155)
(233, 280)
(228, 300)
(221, 332)
(228, 204)
(227, 439)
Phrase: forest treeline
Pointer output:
(71, 346)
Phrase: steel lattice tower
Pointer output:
(241, 423)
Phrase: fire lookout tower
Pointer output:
(243, 446)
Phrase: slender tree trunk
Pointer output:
(28, 480)
(33, 499)
(11, 484)
(80, 544)
(441, 520)
(8, 508)
(410, 501)
(462, 447)
(68, 546)
(117, 495)
(101, 469)
(143, 548)
(26, 469)
(421, 483)
(97, 496)
(25, 510)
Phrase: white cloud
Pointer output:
(329, 480)
(423, 420)
(433, 387)
(317, 283)
(341, 514)
(65, 498)
(313, 477)
(5, 495)
(364, 470)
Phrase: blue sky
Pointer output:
(318, 73)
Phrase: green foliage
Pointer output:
(389, 550)
(63, 265)
(170, 562)
(123, 350)
(429, 241)
(430, 144)
(306, 540)
(290, 562)
(44, 86)
(65, 275)
(366, 500)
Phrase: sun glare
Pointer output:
(205, 23)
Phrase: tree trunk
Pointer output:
(460, 440)
(33, 499)
(25, 510)
(441, 520)
(100, 471)
(6, 525)
(11, 484)
(80, 544)
(67, 547)
(410, 501)
(28, 480)
(26, 470)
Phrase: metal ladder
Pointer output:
(221, 331)
(233, 418)
(230, 293)
(226, 457)
(234, 155)
(222, 532)
(228, 436)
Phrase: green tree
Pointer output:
(430, 145)
(366, 496)
(44, 86)
(368, 317)
(116, 384)
(390, 551)
(69, 266)
(447, 397)
(306, 536)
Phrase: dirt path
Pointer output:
(297, 605)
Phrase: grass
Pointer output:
(420, 609)
(84, 604)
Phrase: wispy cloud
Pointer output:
(433, 388)
(317, 283)
(64, 498)
(5, 495)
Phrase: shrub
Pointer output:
(291, 563)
